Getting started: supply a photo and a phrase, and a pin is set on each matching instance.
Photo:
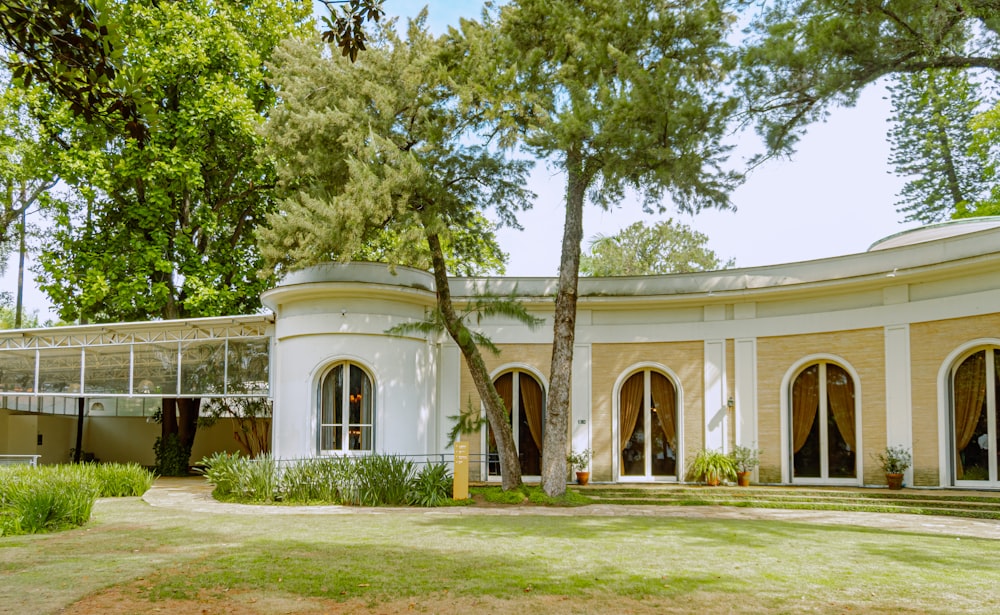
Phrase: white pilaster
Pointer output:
(715, 395)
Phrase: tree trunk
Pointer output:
(187, 419)
(81, 406)
(558, 410)
(496, 412)
(168, 417)
(180, 418)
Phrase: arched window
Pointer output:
(975, 397)
(524, 399)
(647, 426)
(347, 409)
(823, 423)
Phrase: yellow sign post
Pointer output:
(460, 485)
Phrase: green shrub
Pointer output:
(432, 486)
(44, 499)
(221, 471)
(171, 456)
(314, 480)
(258, 478)
(379, 480)
(117, 480)
(367, 480)
(242, 478)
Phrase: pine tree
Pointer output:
(932, 137)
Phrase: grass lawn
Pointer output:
(133, 558)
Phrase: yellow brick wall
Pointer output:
(609, 361)
(864, 350)
(930, 345)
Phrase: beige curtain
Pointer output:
(630, 406)
(531, 406)
(665, 402)
(970, 391)
(805, 405)
(840, 394)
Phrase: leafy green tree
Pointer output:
(183, 204)
(802, 56)
(25, 172)
(8, 319)
(932, 145)
(71, 47)
(162, 226)
(986, 145)
(665, 247)
(75, 49)
(617, 95)
(377, 161)
(346, 27)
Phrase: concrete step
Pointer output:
(927, 502)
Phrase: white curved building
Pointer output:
(820, 364)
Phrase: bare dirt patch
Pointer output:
(128, 601)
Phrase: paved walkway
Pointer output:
(195, 495)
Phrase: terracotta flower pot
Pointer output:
(582, 478)
(895, 481)
(712, 480)
(743, 479)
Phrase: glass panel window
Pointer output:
(59, 370)
(247, 366)
(106, 369)
(647, 424)
(17, 371)
(347, 413)
(203, 365)
(975, 399)
(823, 423)
(155, 369)
(524, 399)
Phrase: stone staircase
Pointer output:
(971, 504)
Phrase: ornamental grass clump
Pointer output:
(379, 480)
(220, 469)
(45, 499)
(119, 480)
(314, 480)
(432, 486)
(366, 480)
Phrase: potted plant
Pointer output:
(746, 458)
(579, 462)
(713, 466)
(894, 460)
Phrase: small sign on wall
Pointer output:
(460, 484)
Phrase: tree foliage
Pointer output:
(346, 27)
(25, 170)
(183, 203)
(803, 56)
(932, 139)
(620, 96)
(665, 247)
(72, 48)
(377, 162)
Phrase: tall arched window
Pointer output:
(647, 426)
(975, 398)
(824, 442)
(347, 409)
(524, 399)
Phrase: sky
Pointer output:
(835, 196)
